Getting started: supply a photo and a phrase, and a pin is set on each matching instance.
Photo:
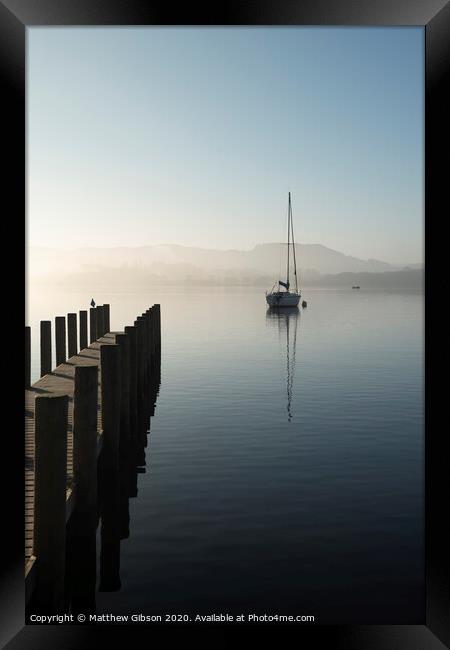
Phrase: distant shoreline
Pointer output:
(126, 279)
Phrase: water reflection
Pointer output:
(286, 319)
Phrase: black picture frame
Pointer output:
(434, 16)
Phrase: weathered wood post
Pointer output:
(153, 340)
(151, 319)
(131, 332)
(150, 342)
(110, 529)
(146, 383)
(27, 356)
(140, 360)
(83, 330)
(140, 377)
(72, 335)
(106, 321)
(92, 324)
(158, 324)
(152, 329)
(150, 351)
(100, 322)
(46, 347)
(147, 317)
(85, 400)
(153, 377)
(147, 341)
(123, 341)
(146, 349)
(60, 335)
(111, 393)
(50, 498)
(158, 342)
(151, 363)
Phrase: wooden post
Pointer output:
(146, 341)
(111, 393)
(106, 321)
(146, 398)
(85, 400)
(110, 356)
(150, 347)
(140, 359)
(92, 324)
(152, 329)
(146, 348)
(149, 321)
(72, 335)
(131, 332)
(123, 341)
(83, 330)
(158, 324)
(27, 356)
(100, 322)
(149, 313)
(60, 334)
(151, 343)
(140, 378)
(158, 343)
(46, 347)
(152, 373)
(50, 498)
(153, 337)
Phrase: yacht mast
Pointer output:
(289, 232)
(293, 245)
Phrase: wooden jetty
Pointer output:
(80, 419)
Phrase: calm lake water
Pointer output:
(284, 468)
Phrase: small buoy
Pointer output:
(304, 304)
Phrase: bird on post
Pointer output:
(92, 302)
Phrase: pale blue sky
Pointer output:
(195, 135)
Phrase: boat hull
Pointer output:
(282, 299)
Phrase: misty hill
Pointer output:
(127, 268)
(126, 278)
(264, 259)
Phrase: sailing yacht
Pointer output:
(286, 298)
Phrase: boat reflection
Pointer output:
(286, 319)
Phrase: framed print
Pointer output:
(233, 417)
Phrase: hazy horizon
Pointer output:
(130, 267)
(194, 136)
(251, 248)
